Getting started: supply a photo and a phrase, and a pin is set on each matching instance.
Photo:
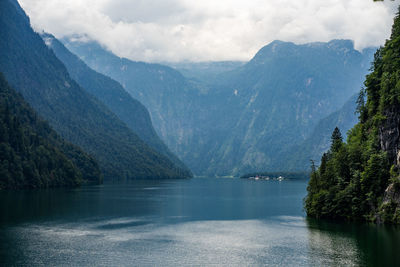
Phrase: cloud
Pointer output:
(176, 30)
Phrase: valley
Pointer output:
(239, 120)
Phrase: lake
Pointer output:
(201, 221)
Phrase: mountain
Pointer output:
(281, 94)
(111, 93)
(204, 71)
(33, 69)
(360, 179)
(176, 104)
(32, 155)
(318, 142)
(241, 120)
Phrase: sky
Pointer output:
(210, 30)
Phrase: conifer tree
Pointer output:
(353, 176)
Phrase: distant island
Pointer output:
(276, 175)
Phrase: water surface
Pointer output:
(200, 221)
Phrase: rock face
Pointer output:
(319, 140)
(389, 211)
(389, 139)
(392, 194)
(387, 65)
(389, 134)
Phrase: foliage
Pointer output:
(33, 69)
(32, 155)
(352, 178)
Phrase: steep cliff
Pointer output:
(389, 129)
(389, 134)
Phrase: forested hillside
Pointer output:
(33, 69)
(181, 111)
(32, 155)
(111, 93)
(359, 180)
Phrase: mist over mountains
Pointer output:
(142, 120)
(250, 118)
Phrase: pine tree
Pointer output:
(337, 140)
(353, 176)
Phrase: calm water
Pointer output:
(185, 222)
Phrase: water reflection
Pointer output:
(190, 222)
(353, 243)
(85, 203)
(329, 246)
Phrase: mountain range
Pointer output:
(272, 113)
(251, 117)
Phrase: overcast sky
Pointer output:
(211, 30)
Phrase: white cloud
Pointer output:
(175, 30)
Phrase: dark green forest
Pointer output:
(32, 155)
(359, 179)
(79, 117)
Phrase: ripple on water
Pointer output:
(279, 241)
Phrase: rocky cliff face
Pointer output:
(389, 139)
(389, 134)
(389, 211)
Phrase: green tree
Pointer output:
(353, 176)
(337, 140)
(32, 155)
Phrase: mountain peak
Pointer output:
(282, 49)
(340, 44)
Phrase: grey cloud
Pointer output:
(175, 30)
(143, 10)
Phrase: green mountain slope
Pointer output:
(33, 69)
(359, 180)
(32, 155)
(111, 93)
